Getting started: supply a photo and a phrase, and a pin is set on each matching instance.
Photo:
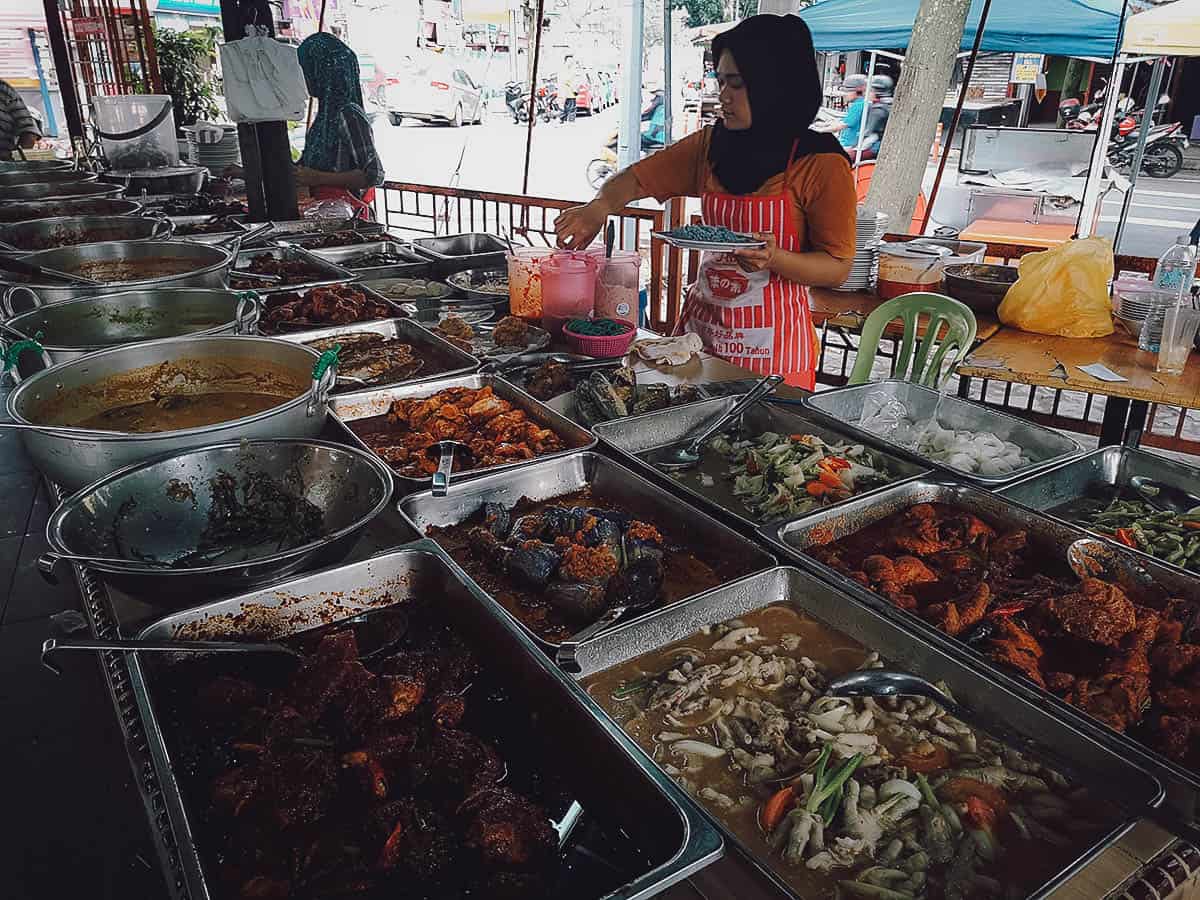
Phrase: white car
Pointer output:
(435, 90)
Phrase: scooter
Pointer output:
(517, 101)
(604, 167)
(1163, 154)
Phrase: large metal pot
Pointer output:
(212, 265)
(80, 206)
(70, 231)
(64, 191)
(135, 515)
(73, 462)
(60, 176)
(35, 166)
(74, 328)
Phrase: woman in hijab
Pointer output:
(760, 170)
(339, 159)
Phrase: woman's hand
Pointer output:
(578, 226)
(306, 177)
(759, 259)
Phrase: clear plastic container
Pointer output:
(525, 282)
(568, 289)
(126, 115)
(617, 285)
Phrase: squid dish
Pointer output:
(370, 358)
(1130, 659)
(495, 431)
(358, 775)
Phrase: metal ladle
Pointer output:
(889, 683)
(445, 451)
(1165, 496)
(684, 456)
(29, 270)
(1093, 558)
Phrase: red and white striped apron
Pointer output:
(756, 320)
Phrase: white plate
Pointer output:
(712, 246)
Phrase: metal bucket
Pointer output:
(44, 176)
(72, 231)
(78, 187)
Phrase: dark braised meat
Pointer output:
(549, 380)
(1127, 660)
(350, 778)
(511, 331)
(339, 239)
(338, 304)
(215, 225)
(292, 271)
(202, 205)
(371, 358)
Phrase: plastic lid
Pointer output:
(567, 261)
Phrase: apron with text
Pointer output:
(756, 320)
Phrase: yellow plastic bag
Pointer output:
(1063, 291)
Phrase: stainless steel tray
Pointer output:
(467, 251)
(331, 274)
(300, 228)
(447, 360)
(1072, 750)
(215, 237)
(1100, 475)
(366, 404)
(635, 436)
(791, 538)
(608, 480)
(674, 837)
(415, 265)
(842, 407)
(397, 310)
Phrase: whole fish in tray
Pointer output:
(371, 359)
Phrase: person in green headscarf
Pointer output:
(339, 155)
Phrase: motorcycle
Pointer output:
(1163, 155)
(604, 167)
(517, 101)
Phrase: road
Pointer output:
(1161, 210)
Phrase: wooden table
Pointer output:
(1000, 231)
(1047, 361)
(849, 309)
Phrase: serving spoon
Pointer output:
(1165, 496)
(445, 451)
(686, 455)
(890, 683)
(29, 270)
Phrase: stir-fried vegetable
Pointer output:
(785, 475)
(1172, 537)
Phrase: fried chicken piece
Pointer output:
(955, 616)
(917, 531)
(416, 837)
(227, 699)
(1175, 736)
(1013, 646)
(488, 408)
(507, 831)
(448, 711)
(1173, 660)
(1179, 698)
(511, 332)
(1116, 700)
(367, 773)
(958, 563)
(401, 695)
(1060, 682)
(453, 766)
(1098, 612)
(455, 326)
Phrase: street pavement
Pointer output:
(1161, 210)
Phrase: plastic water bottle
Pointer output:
(1176, 270)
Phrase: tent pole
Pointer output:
(948, 137)
(1091, 191)
(862, 124)
(668, 93)
(537, 54)
(1143, 133)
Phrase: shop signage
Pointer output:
(1026, 68)
(87, 27)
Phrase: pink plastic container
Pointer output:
(603, 346)
(568, 289)
(618, 285)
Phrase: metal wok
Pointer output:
(77, 187)
(69, 393)
(158, 511)
(35, 166)
(46, 176)
(70, 231)
(76, 206)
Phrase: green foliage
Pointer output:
(183, 62)
(709, 12)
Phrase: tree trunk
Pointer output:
(928, 64)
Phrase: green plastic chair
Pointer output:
(925, 365)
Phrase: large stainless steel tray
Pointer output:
(1070, 749)
(708, 484)
(442, 359)
(366, 404)
(1100, 475)
(396, 308)
(415, 264)
(673, 835)
(215, 237)
(607, 479)
(465, 251)
(842, 408)
(330, 273)
(791, 539)
(298, 229)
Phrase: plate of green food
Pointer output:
(714, 238)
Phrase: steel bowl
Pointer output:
(80, 206)
(71, 231)
(74, 462)
(45, 176)
(212, 264)
(159, 180)
(159, 510)
(35, 166)
(74, 328)
(64, 191)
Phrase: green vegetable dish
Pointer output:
(778, 475)
(599, 327)
(1170, 536)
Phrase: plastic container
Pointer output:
(904, 268)
(120, 121)
(601, 346)
(617, 285)
(568, 289)
(525, 282)
(1178, 334)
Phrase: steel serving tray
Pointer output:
(414, 265)
(635, 436)
(467, 251)
(448, 360)
(397, 310)
(791, 538)
(366, 404)
(298, 229)
(608, 480)
(239, 227)
(1101, 475)
(330, 273)
(1069, 748)
(673, 835)
(842, 408)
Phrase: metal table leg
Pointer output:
(1112, 428)
(1136, 423)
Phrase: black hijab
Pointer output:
(775, 57)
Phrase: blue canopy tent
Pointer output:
(1053, 27)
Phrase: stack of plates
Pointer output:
(215, 157)
(868, 230)
(1133, 307)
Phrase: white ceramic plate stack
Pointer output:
(215, 157)
(869, 229)
(1134, 307)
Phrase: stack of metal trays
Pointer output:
(465, 251)
(411, 263)
(1077, 491)
(633, 842)
(842, 409)
(1037, 731)
(710, 485)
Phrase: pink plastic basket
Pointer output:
(601, 346)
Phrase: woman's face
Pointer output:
(735, 99)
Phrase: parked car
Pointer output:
(374, 81)
(435, 90)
